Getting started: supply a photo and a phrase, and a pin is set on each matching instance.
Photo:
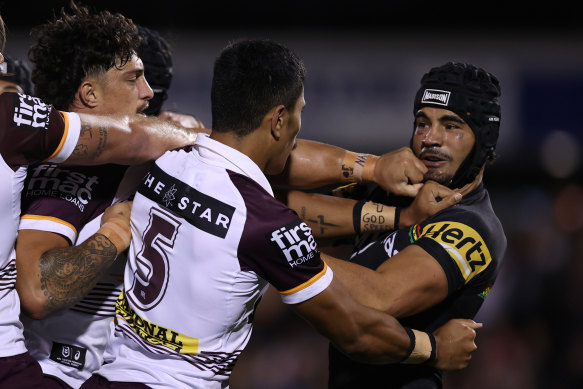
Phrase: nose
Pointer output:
(146, 92)
(433, 136)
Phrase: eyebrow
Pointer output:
(137, 71)
(444, 118)
(451, 118)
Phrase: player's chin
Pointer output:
(437, 176)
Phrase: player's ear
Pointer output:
(277, 121)
(88, 94)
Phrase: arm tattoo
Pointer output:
(87, 133)
(68, 274)
(319, 221)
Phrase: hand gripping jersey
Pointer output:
(31, 131)
(207, 239)
(468, 241)
(69, 200)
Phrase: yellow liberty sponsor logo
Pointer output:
(153, 333)
(465, 246)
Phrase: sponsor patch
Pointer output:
(68, 355)
(47, 180)
(200, 210)
(295, 241)
(485, 292)
(153, 333)
(464, 245)
(435, 96)
(30, 112)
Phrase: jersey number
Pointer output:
(151, 276)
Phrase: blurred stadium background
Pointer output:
(364, 61)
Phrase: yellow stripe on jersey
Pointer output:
(307, 283)
(63, 139)
(464, 245)
(50, 218)
(153, 333)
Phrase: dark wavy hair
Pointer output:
(75, 45)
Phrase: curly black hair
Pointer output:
(72, 46)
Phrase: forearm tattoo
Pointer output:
(319, 222)
(376, 217)
(68, 274)
(87, 133)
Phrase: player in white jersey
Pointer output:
(63, 206)
(208, 238)
(69, 344)
(32, 131)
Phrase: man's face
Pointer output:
(442, 140)
(289, 132)
(124, 90)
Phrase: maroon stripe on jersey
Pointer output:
(276, 243)
(31, 130)
(75, 194)
(8, 276)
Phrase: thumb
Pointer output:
(472, 324)
(409, 190)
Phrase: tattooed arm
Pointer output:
(313, 164)
(332, 217)
(127, 140)
(53, 275)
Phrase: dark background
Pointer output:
(340, 14)
(364, 60)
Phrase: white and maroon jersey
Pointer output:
(69, 344)
(31, 131)
(207, 239)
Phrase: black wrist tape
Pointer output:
(412, 345)
(397, 217)
(433, 347)
(356, 214)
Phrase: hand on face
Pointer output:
(432, 198)
(442, 140)
(400, 172)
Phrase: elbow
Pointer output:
(33, 308)
(33, 302)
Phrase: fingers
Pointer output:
(409, 190)
(449, 200)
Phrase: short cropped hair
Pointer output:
(250, 77)
(75, 45)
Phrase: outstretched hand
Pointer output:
(184, 120)
(455, 342)
(399, 172)
(430, 199)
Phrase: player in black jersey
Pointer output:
(444, 266)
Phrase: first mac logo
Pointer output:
(30, 112)
(296, 242)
